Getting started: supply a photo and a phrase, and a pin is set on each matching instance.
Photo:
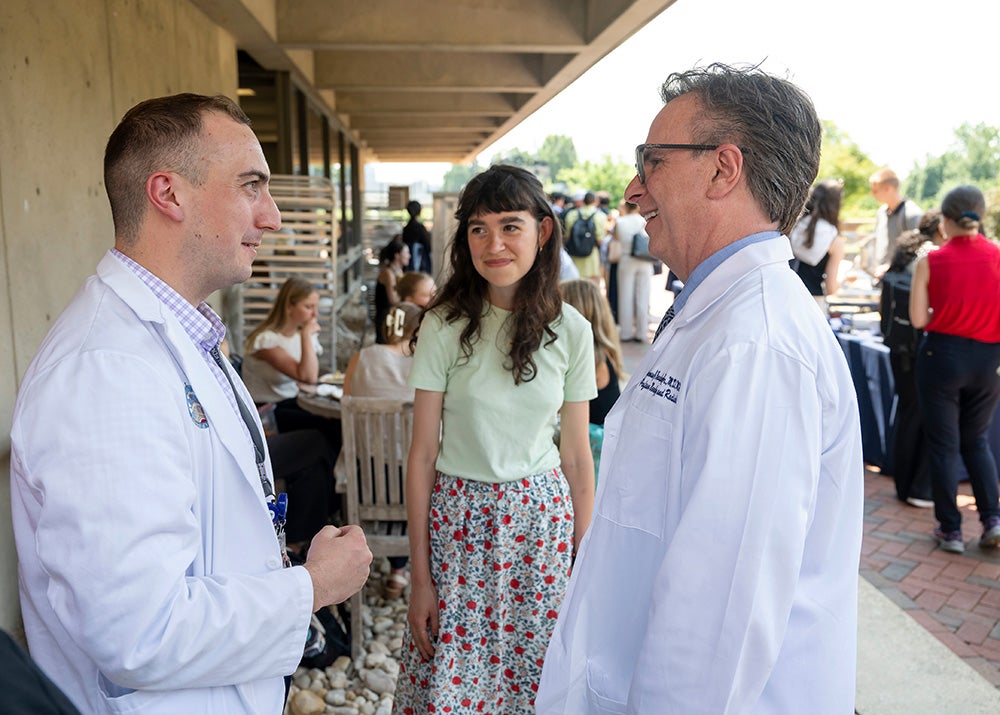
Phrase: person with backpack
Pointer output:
(910, 470)
(585, 227)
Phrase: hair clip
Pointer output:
(394, 322)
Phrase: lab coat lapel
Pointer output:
(730, 272)
(221, 416)
(714, 287)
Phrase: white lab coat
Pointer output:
(719, 574)
(148, 562)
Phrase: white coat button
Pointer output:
(274, 563)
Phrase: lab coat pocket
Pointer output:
(125, 700)
(635, 495)
(599, 701)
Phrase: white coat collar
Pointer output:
(715, 285)
(729, 273)
(222, 418)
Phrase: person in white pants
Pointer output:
(634, 277)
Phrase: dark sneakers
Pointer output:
(951, 541)
(991, 533)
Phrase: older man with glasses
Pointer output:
(719, 574)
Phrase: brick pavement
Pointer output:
(956, 597)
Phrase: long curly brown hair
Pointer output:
(504, 188)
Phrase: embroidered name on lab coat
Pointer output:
(665, 386)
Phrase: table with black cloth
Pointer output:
(868, 360)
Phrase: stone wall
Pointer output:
(68, 72)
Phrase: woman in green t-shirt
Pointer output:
(494, 506)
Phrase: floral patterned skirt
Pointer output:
(500, 559)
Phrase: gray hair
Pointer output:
(771, 120)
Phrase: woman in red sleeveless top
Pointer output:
(955, 297)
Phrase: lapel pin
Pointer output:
(195, 409)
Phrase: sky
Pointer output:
(897, 76)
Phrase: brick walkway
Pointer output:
(955, 597)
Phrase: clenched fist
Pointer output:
(339, 563)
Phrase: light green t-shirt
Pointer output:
(492, 430)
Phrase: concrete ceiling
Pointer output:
(430, 80)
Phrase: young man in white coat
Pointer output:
(719, 573)
(151, 575)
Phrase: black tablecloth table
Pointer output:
(868, 360)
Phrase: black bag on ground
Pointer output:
(328, 637)
(581, 240)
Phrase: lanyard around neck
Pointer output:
(258, 442)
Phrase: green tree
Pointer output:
(925, 182)
(558, 152)
(516, 157)
(458, 175)
(981, 152)
(991, 222)
(974, 158)
(842, 159)
(606, 175)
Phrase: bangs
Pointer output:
(499, 193)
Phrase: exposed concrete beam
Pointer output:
(478, 103)
(426, 122)
(407, 135)
(394, 157)
(253, 21)
(428, 25)
(253, 24)
(630, 18)
(443, 71)
(427, 64)
(422, 150)
(426, 146)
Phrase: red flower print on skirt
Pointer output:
(501, 567)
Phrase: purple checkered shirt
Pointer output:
(202, 324)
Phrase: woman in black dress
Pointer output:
(588, 299)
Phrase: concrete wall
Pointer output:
(68, 71)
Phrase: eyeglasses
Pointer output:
(640, 151)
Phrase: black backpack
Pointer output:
(582, 237)
(898, 334)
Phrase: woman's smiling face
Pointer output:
(503, 247)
